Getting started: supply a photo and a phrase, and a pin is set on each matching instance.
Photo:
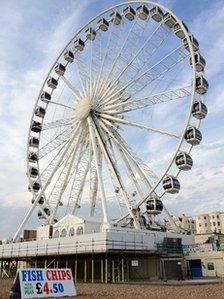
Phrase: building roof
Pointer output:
(72, 220)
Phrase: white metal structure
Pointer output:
(92, 126)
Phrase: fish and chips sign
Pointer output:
(42, 283)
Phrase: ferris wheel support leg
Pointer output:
(22, 225)
(113, 170)
(99, 173)
(176, 228)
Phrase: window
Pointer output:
(71, 232)
(218, 223)
(210, 266)
(205, 217)
(79, 230)
(206, 224)
(63, 233)
(213, 223)
(56, 234)
(199, 224)
(213, 216)
(217, 216)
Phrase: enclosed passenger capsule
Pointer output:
(79, 44)
(169, 20)
(40, 201)
(47, 211)
(40, 215)
(103, 24)
(199, 62)
(36, 126)
(194, 42)
(115, 18)
(33, 172)
(154, 205)
(193, 136)
(52, 83)
(171, 184)
(60, 69)
(199, 110)
(201, 85)
(35, 186)
(32, 157)
(34, 142)
(184, 161)
(129, 13)
(178, 31)
(90, 33)
(40, 112)
(45, 96)
(142, 12)
(69, 56)
(156, 13)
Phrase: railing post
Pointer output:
(92, 270)
(85, 270)
(76, 264)
(106, 269)
(122, 269)
(113, 274)
(101, 261)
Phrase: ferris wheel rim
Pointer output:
(193, 72)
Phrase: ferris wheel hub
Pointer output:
(82, 109)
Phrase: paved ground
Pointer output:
(138, 291)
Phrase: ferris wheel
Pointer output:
(116, 118)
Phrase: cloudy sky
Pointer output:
(32, 34)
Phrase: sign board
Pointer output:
(197, 248)
(134, 263)
(43, 283)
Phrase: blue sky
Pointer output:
(34, 32)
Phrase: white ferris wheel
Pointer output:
(116, 118)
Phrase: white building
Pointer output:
(187, 223)
(69, 226)
(210, 222)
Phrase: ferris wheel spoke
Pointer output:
(150, 46)
(83, 71)
(59, 159)
(98, 170)
(94, 181)
(125, 122)
(49, 168)
(65, 175)
(159, 69)
(106, 54)
(163, 97)
(141, 167)
(54, 143)
(71, 87)
(131, 37)
(61, 104)
(57, 123)
(77, 191)
(72, 201)
(131, 174)
(113, 169)
(118, 194)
